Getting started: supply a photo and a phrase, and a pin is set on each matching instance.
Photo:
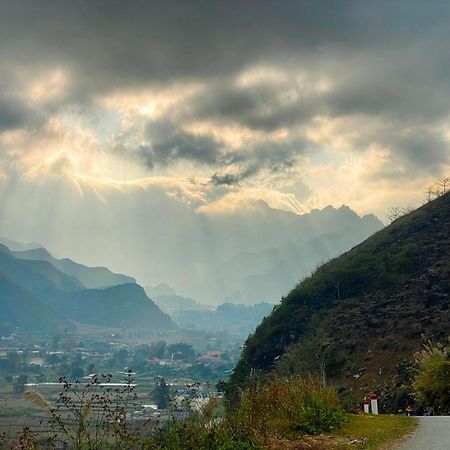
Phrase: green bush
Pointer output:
(284, 405)
(193, 434)
(237, 445)
(432, 382)
(318, 416)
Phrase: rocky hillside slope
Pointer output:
(361, 314)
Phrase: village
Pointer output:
(169, 380)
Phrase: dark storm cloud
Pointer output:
(112, 43)
(386, 60)
(225, 179)
(12, 114)
(407, 84)
(423, 148)
(273, 157)
(169, 143)
(267, 107)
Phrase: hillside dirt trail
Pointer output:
(433, 433)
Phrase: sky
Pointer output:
(221, 104)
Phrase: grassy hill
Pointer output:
(361, 314)
(19, 308)
(124, 305)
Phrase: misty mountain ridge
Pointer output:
(34, 295)
(230, 317)
(38, 277)
(18, 246)
(159, 290)
(90, 277)
(188, 243)
(267, 274)
(170, 302)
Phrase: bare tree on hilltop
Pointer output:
(433, 191)
(443, 185)
(439, 188)
(396, 211)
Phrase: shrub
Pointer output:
(289, 404)
(195, 434)
(432, 382)
(318, 416)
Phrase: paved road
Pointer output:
(433, 433)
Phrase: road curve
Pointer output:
(433, 433)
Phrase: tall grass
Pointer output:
(277, 407)
(296, 404)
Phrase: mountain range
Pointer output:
(246, 254)
(90, 277)
(272, 265)
(51, 294)
(251, 256)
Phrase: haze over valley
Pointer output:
(246, 256)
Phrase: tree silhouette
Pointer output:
(443, 184)
(394, 213)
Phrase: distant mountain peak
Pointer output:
(16, 246)
(39, 253)
(345, 208)
(160, 289)
(90, 277)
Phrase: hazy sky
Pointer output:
(218, 104)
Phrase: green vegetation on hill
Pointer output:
(19, 308)
(358, 316)
(124, 305)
